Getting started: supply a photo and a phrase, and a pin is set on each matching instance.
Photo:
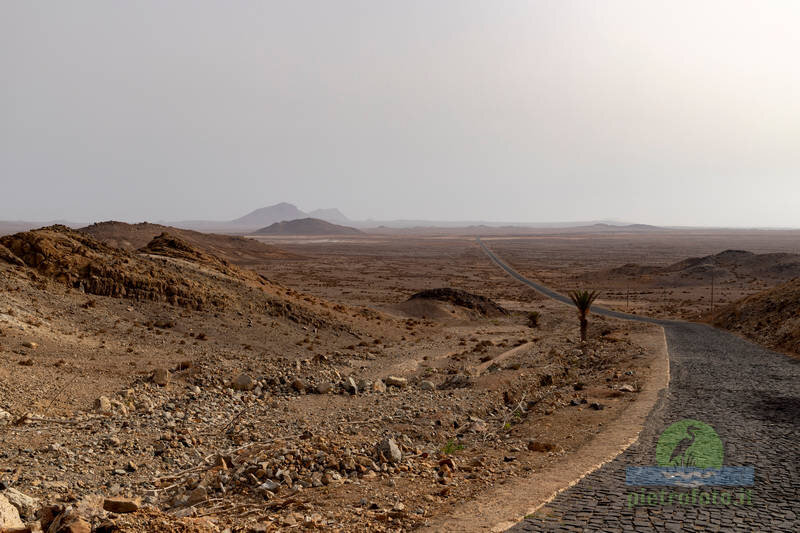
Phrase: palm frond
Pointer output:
(583, 299)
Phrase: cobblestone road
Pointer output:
(750, 395)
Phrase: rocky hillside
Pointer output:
(81, 262)
(306, 226)
(771, 317)
(167, 269)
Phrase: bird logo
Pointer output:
(689, 444)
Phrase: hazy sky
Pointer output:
(655, 112)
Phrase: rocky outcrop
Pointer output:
(479, 304)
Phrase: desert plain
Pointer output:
(157, 379)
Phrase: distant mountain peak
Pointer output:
(266, 216)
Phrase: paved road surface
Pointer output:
(750, 395)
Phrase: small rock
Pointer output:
(390, 450)
(427, 385)
(9, 516)
(121, 505)
(478, 425)
(456, 381)
(199, 494)
(324, 387)
(627, 388)
(299, 385)
(379, 387)
(48, 514)
(243, 382)
(26, 505)
(69, 522)
(597, 406)
(5, 417)
(102, 405)
(161, 377)
(394, 381)
(349, 385)
(31, 345)
(269, 485)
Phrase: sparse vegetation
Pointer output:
(583, 301)
(452, 447)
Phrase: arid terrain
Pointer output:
(665, 273)
(212, 382)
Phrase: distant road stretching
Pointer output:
(751, 397)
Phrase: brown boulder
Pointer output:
(121, 505)
(161, 377)
(69, 522)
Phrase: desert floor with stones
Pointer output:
(175, 386)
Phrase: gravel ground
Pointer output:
(750, 395)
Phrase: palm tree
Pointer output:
(583, 300)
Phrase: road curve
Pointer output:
(538, 287)
(751, 397)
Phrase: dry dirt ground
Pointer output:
(310, 396)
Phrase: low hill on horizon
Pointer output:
(306, 226)
(727, 265)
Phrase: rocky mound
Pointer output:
(480, 304)
(81, 262)
(237, 250)
(306, 226)
(771, 317)
(7, 256)
(170, 246)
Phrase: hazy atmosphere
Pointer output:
(438, 266)
(678, 113)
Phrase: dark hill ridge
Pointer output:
(306, 226)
